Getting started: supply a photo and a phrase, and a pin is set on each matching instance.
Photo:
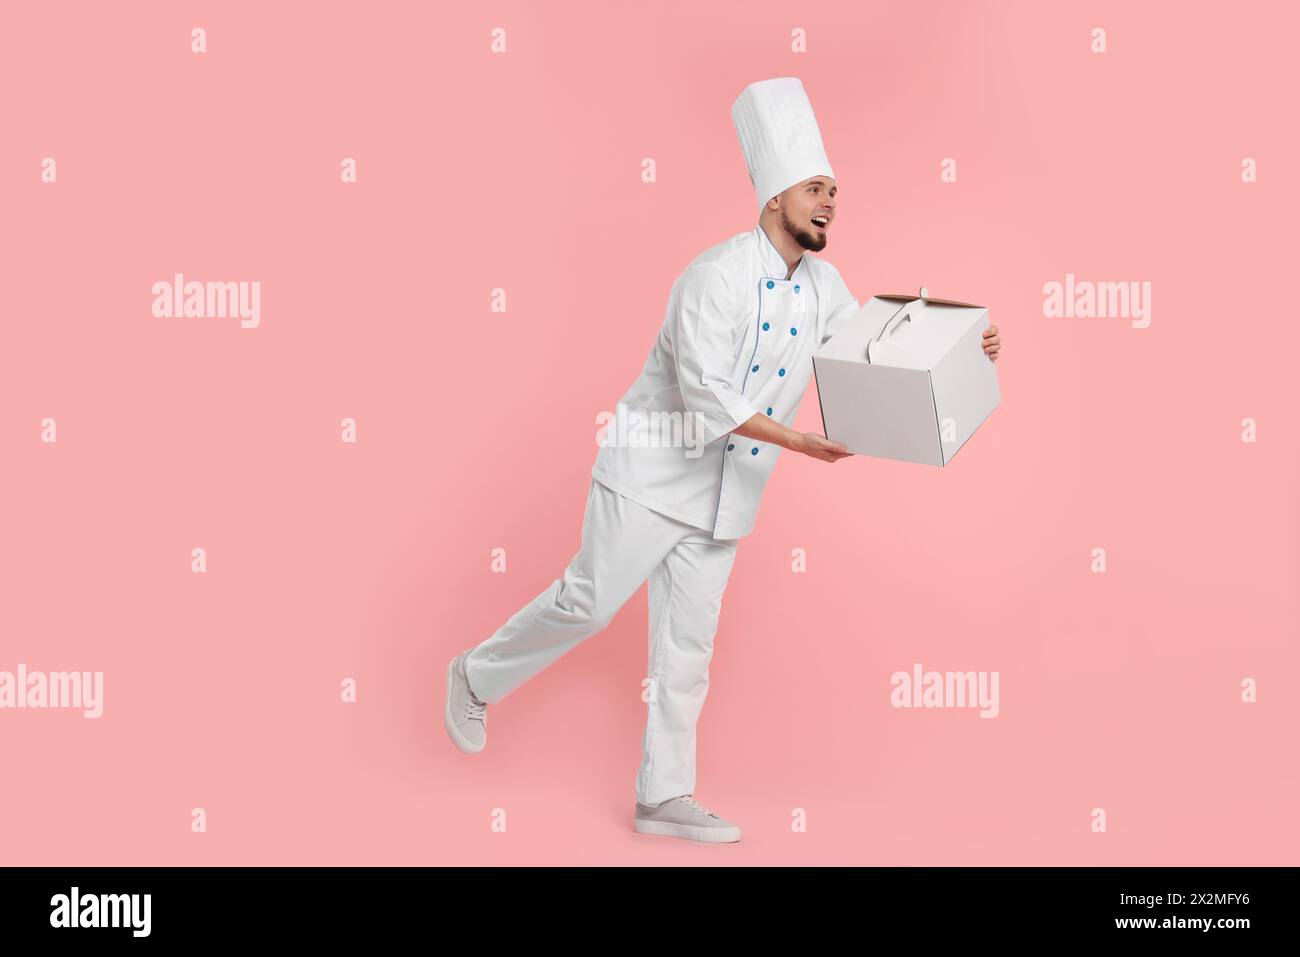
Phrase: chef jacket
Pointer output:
(737, 339)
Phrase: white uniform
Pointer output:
(737, 340)
(623, 543)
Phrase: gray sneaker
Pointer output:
(686, 818)
(465, 715)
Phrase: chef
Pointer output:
(733, 358)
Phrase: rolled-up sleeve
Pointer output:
(704, 329)
(842, 306)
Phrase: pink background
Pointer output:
(477, 431)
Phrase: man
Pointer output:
(731, 362)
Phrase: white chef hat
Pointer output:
(779, 136)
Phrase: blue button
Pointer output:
(769, 410)
(792, 331)
(770, 284)
(780, 372)
(755, 369)
(765, 325)
(731, 446)
(796, 287)
(753, 451)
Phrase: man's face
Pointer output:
(807, 210)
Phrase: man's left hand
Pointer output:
(992, 342)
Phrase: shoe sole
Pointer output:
(688, 832)
(462, 743)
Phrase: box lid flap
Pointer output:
(943, 302)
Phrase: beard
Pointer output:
(805, 238)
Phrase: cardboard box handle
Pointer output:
(894, 324)
(904, 314)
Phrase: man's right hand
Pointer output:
(759, 426)
(821, 448)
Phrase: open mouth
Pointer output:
(821, 222)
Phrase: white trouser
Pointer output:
(623, 544)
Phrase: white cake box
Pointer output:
(907, 378)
